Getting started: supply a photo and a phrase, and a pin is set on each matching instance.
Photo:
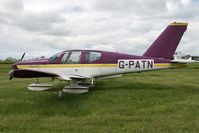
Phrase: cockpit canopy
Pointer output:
(76, 57)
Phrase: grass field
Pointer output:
(164, 101)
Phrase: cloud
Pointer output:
(38, 22)
(132, 7)
(46, 27)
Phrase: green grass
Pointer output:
(164, 101)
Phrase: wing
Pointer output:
(24, 73)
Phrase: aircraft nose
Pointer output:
(14, 66)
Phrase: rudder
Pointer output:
(165, 45)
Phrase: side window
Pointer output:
(93, 56)
(72, 57)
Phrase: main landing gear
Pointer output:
(76, 86)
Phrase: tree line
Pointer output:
(8, 60)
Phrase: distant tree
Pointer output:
(8, 60)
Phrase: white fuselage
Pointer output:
(99, 70)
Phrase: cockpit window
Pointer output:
(54, 58)
(72, 57)
(65, 58)
(93, 56)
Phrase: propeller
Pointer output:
(11, 73)
(22, 56)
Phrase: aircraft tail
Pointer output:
(165, 45)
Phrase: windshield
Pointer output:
(54, 58)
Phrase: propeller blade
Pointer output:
(22, 56)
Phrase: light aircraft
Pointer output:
(81, 67)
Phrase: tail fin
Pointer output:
(166, 44)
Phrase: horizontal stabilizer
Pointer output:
(184, 61)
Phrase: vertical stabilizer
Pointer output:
(166, 44)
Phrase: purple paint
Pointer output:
(166, 44)
(22, 73)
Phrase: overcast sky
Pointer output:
(45, 27)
